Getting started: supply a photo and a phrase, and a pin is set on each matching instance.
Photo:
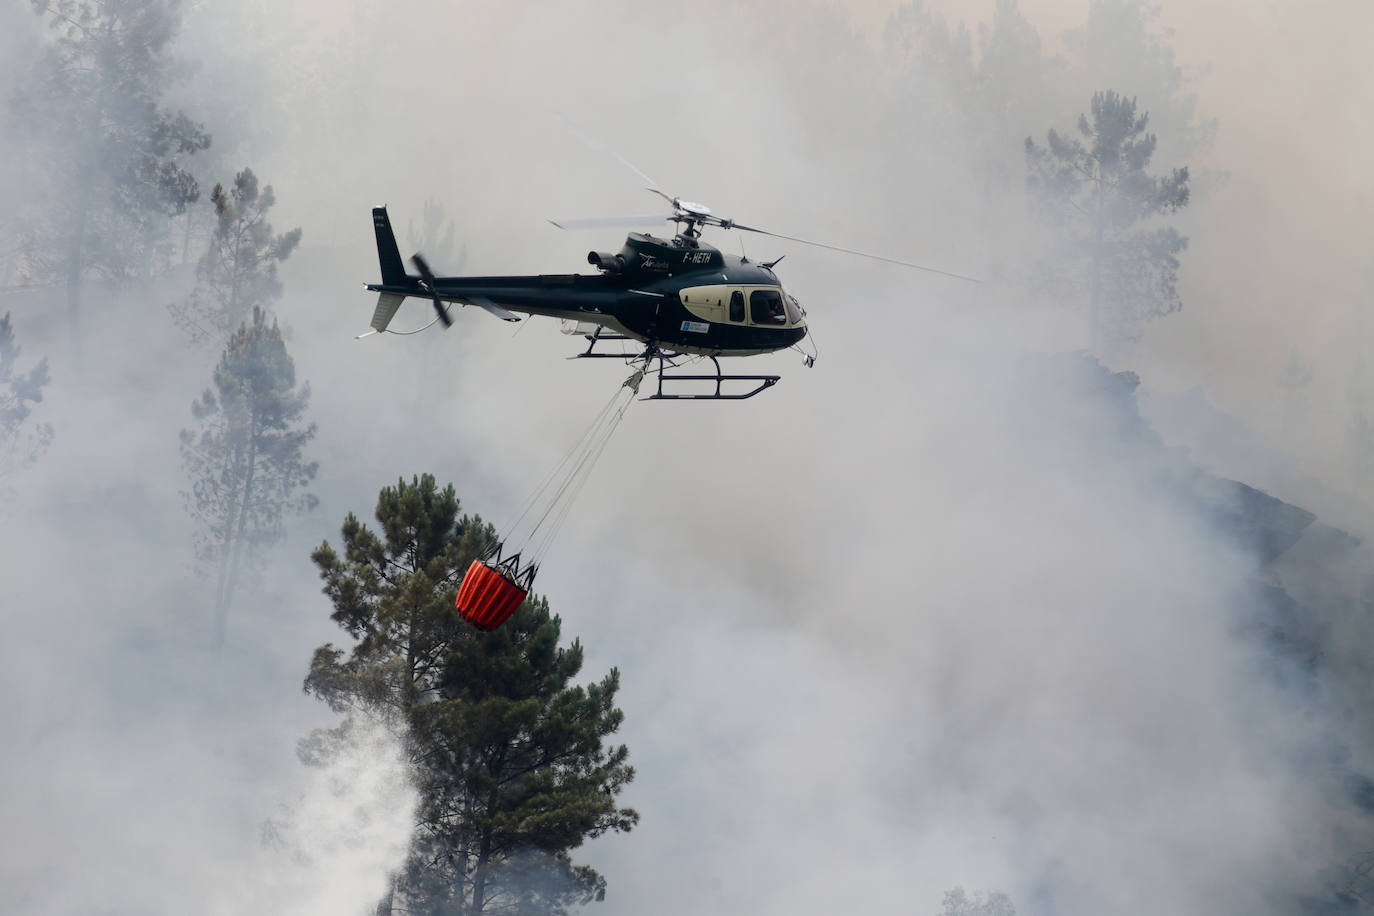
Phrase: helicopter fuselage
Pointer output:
(680, 295)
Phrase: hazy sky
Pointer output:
(1282, 253)
(912, 619)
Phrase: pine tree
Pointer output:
(1095, 192)
(507, 754)
(1012, 81)
(239, 270)
(113, 155)
(245, 460)
(1124, 43)
(20, 445)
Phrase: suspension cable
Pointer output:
(561, 505)
(554, 473)
(554, 496)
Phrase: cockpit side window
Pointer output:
(765, 307)
(737, 305)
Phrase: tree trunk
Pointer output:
(384, 906)
(75, 256)
(1095, 281)
(235, 313)
(412, 689)
(229, 571)
(463, 853)
(222, 577)
(479, 875)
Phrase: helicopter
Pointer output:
(679, 297)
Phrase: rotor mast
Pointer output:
(690, 217)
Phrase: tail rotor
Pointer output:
(427, 282)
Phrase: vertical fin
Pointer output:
(393, 269)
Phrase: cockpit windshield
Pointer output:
(795, 312)
(766, 307)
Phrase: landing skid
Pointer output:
(760, 382)
(667, 361)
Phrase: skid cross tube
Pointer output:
(596, 337)
(763, 382)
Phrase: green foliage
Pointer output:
(1094, 190)
(393, 594)
(112, 155)
(238, 271)
(19, 391)
(245, 460)
(961, 100)
(508, 754)
(932, 67)
(1012, 82)
(1121, 43)
(1012, 71)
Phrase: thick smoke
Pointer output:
(935, 612)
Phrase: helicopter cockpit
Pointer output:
(758, 306)
(774, 307)
(766, 307)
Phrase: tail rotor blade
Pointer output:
(427, 278)
(423, 267)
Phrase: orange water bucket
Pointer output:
(486, 597)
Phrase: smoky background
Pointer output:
(921, 616)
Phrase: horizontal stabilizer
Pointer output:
(387, 304)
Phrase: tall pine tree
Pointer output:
(114, 157)
(1094, 190)
(20, 443)
(239, 269)
(245, 459)
(508, 754)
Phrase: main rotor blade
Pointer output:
(862, 254)
(610, 222)
(606, 150)
(661, 193)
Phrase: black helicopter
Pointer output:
(679, 297)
